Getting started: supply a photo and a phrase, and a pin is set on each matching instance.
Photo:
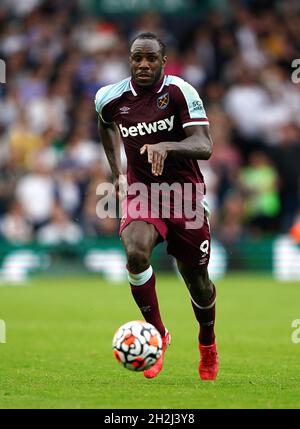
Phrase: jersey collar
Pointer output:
(136, 89)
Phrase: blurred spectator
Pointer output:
(50, 109)
(229, 228)
(68, 187)
(205, 49)
(151, 21)
(92, 225)
(259, 185)
(21, 7)
(192, 71)
(9, 108)
(94, 35)
(226, 160)
(211, 184)
(10, 175)
(174, 64)
(244, 102)
(252, 53)
(13, 226)
(36, 193)
(80, 148)
(23, 141)
(61, 229)
(286, 156)
(114, 67)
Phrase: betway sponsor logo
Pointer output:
(143, 128)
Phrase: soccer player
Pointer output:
(164, 128)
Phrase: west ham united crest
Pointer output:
(163, 101)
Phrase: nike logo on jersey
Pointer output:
(143, 128)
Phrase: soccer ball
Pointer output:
(137, 345)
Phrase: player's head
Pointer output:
(147, 59)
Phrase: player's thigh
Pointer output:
(190, 246)
(139, 236)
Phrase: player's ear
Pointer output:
(164, 60)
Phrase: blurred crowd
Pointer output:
(58, 56)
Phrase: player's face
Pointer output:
(146, 62)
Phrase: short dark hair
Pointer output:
(151, 36)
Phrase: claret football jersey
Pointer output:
(149, 115)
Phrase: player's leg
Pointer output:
(203, 298)
(191, 248)
(139, 239)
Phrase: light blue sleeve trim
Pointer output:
(193, 101)
(110, 92)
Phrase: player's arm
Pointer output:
(110, 137)
(196, 145)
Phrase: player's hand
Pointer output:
(157, 153)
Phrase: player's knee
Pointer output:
(137, 257)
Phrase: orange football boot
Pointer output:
(209, 362)
(157, 367)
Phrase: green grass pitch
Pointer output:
(58, 346)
